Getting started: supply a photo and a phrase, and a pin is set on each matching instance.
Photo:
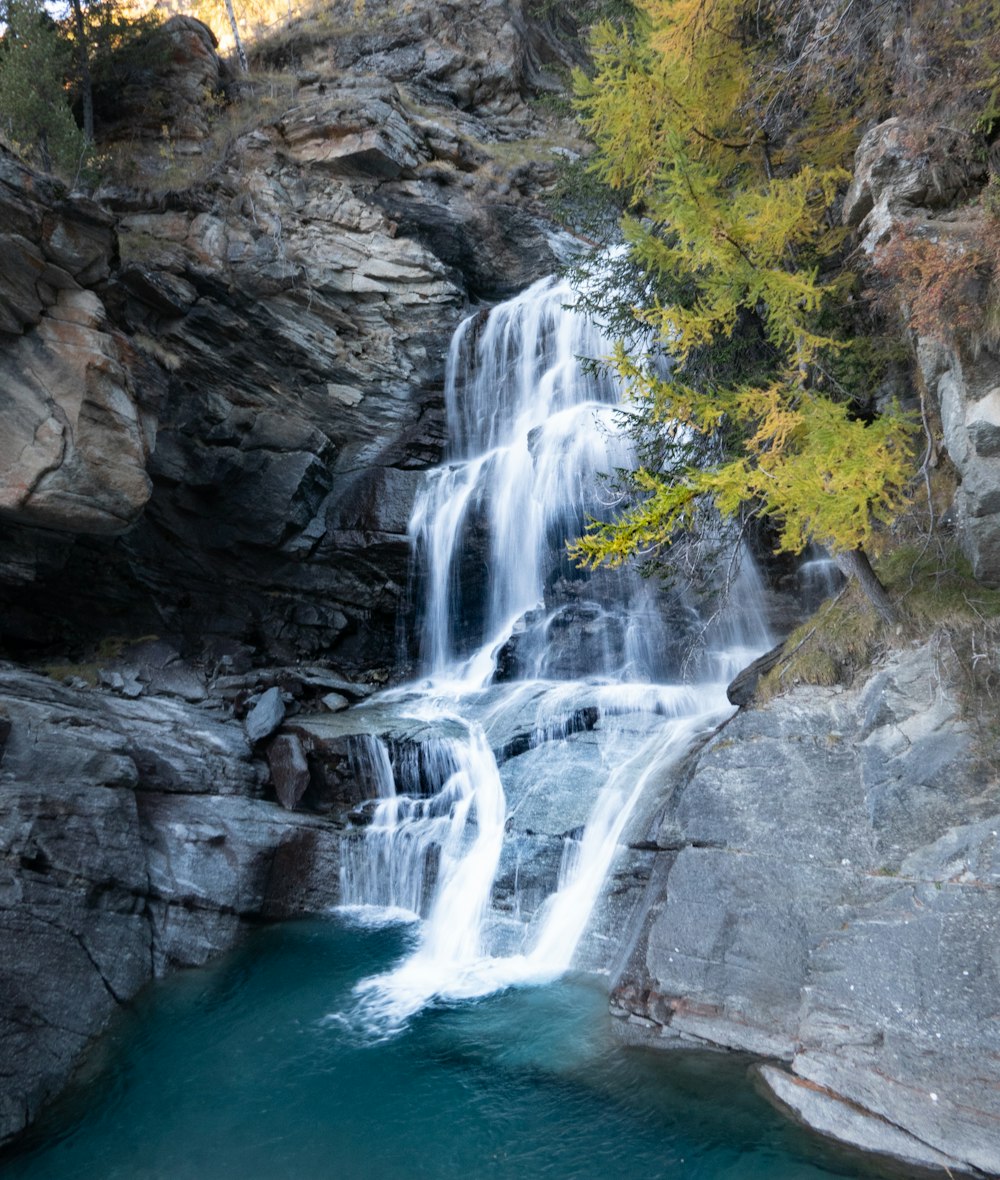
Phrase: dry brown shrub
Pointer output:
(941, 285)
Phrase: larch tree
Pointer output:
(732, 231)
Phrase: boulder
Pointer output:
(265, 716)
(289, 769)
(900, 168)
(183, 77)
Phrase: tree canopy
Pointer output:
(732, 230)
(35, 114)
(57, 60)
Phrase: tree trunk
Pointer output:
(83, 62)
(855, 564)
(241, 53)
(43, 151)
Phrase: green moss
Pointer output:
(934, 588)
(843, 637)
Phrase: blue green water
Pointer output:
(245, 1071)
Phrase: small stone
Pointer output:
(265, 717)
(335, 702)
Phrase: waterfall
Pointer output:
(560, 693)
(819, 577)
(532, 432)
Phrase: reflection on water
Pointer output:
(236, 1072)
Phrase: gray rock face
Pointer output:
(826, 896)
(902, 170)
(905, 184)
(73, 447)
(265, 716)
(134, 838)
(967, 389)
(288, 313)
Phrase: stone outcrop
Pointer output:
(910, 184)
(283, 300)
(74, 444)
(903, 169)
(966, 388)
(826, 896)
(175, 81)
(135, 837)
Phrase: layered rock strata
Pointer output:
(135, 837)
(264, 329)
(74, 446)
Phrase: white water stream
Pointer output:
(586, 715)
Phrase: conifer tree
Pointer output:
(731, 230)
(35, 112)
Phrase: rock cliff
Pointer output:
(825, 897)
(74, 447)
(228, 373)
(917, 190)
(134, 838)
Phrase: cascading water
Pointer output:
(562, 680)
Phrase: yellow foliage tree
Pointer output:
(731, 232)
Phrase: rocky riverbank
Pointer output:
(825, 895)
(136, 836)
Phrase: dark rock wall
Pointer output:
(134, 838)
(281, 325)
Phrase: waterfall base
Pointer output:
(232, 1072)
(499, 816)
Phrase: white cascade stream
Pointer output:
(585, 666)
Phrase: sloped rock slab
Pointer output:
(827, 895)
